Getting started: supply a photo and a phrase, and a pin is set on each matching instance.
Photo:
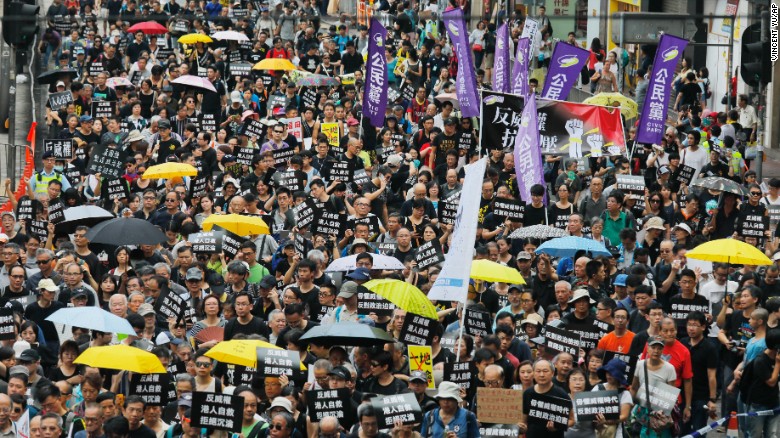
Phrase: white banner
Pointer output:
(23, 425)
(453, 281)
(295, 127)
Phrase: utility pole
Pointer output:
(11, 152)
(762, 101)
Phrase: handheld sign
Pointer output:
(25, 210)
(629, 360)
(753, 225)
(281, 156)
(231, 243)
(253, 128)
(116, 188)
(662, 396)
(304, 213)
(633, 185)
(330, 403)
(499, 431)
(153, 388)
(499, 405)
(341, 171)
(478, 322)
(562, 341)
(294, 127)
(589, 403)
(96, 67)
(462, 373)
(295, 180)
(386, 248)
(511, 209)
(245, 155)
(429, 254)
(56, 211)
(416, 330)
(58, 101)
(275, 362)
(301, 245)
(103, 109)
(39, 229)
(240, 69)
(170, 304)
(217, 411)
(448, 210)
(369, 302)
(207, 242)
(685, 174)
(7, 324)
(548, 408)
(240, 375)
(208, 122)
(421, 359)
(331, 131)
(107, 161)
(371, 221)
(62, 149)
(328, 224)
(400, 407)
(199, 186)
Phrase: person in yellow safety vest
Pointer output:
(39, 183)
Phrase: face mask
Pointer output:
(58, 167)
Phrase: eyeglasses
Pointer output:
(324, 294)
(170, 200)
(202, 364)
(277, 426)
(755, 193)
(374, 364)
(16, 276)
(278, 132)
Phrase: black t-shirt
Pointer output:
(212, 102)
(142, 432)
(760, 393)
(737, 328)
(444, 143)
(255, 326)
(351, 63)
(310, 62)
(167, 147)
(704, 356)
(538, 427)
(690, 93)
(396, 386)
(534, 215)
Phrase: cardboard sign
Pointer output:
(323, 403)
(500, 431)
(328, 224)
(416, 330)
(462, 373)
(511, 209)
(421, 359)
(7, 324)
(107, 161)
(304, 213)
(170, 304)
(752, 225)
(589, 403)
(685, 174)
(240, 68)
(448, 210)
(331, 131)
(207, 242)
(116, 188)
(478, 322)
(39, 229)
(217, 411)
(199, 186)
(629, 360)
(562, 341)
(208, 122)
(632, 185)
(340, 171)
(231, 242)
(429, 254)
(62, 149)
(153, 388)
(548, 408)
(399, 407)
(58, 101)
(56, 211)
(25, 209)
(369, 302)
(499, 405)
(275, 362)
(662, 396)
(103, 109)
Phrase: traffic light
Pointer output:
(20, 22)
(756, 64)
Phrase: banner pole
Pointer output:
(481, 122)
(460, 336)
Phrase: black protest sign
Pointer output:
(499, 431)
(360, 177)
(277, 101)
(73, 174)
(548, 408)
(207, 242)
(107, 161)
(199, 186)
(386, 248)
(407, 91)
(237, 375)
(56, 211)
(680, 310)
(231, 242)
(562, 341)
(323, 403)
(501, 115)
(629, 360)
(774, 214)
(7, 327)
(153, 388)
(753, 225)
(304, 213)
(371, 221)
(684, 174)
(58, 101)
(170, 304)
(428, 254)
(309, 97)
(633, 185)
(448, 210)
(240, 69)
(253, 128)
(116, 188)
(281, 156)
(369, 302)
(416, 330)
(295, 180)
(463, 373)
(217, 411)
(341, 171)
(176, 368)
(589, 403)
(399, 407)
(103, 109)
(62, 149)
(478, 322)
(275, 362)
(208, 122)
(511, 209)
(25, 210)
(39, 229)
(591, 334)
(300, 245)
(245, 155)
(662, 396)
(328, 224)
(96, 67)
(467, 141)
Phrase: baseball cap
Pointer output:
(29, 355)
(79, 293)
(418, 375)
(228, 158)
(524, 255)
(268, 282)
(620, 280)
(145, 309)
(348, 289)
(393, 161)
(235, 97)
(655, 340)
(341, 373)
(194, 274)
(48, 284)
(352, 121)
(451, 121)
(47, 154)
(185, 400)
(164, 124)
(85, 118)
(360, 274)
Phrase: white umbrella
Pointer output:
(195, 81)
(449, 97)
(381, 261)
(230, 35)
(92, 318)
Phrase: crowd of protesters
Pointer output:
(413, 164)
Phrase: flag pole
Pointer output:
(481, 122)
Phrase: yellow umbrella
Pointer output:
(192, 38)
(731, 251)
(169, 170)
(403, 295)
(274, 64)
(493, 272)
(241, 352)
(236, 223)
(121, 357)
(628, 108)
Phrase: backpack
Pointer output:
(707, 91)
(490, 42)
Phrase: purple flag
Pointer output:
(520, 73)
(565, 66)
(501, 61)
(653, 118)
(528, 152)
(375, 93)
(466, 82)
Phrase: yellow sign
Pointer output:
(421, 359)
(331, 131)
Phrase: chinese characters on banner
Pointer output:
(375, 94)
(466, 81)
(331, 131)
(565, 67)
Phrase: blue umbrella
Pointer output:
(569, 245)
(92, 318)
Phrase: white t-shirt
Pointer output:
(665, 374)
(696, 159)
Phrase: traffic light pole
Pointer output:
(761, 104)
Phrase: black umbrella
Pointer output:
(53, 76)
(88, 215)
(347, 333)
(722, 185)
(126, 231)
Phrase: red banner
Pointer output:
(578, 129)
(29, 168)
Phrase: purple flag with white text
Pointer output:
(653, 117)
(520, 73)
(375, 93)
(466, 82)
(528, 152)
(565, 66)
(501, 79)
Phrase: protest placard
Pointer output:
(237, 375)
(629, 360)
(369, 302)
(116, 188)
(340, 171)
(548, 408)
(371, 221)
(416, 330)
(429, 254)
(448, 211)
(589, 403)
(109, 162)
(499, 431)
(632, 185)
(39, 229)
(301, 245)
(253, 128)
(96, 67)
(217, 411)
(684, 174)
(330, 403)
(199, 186)
(309, 97)
(208, 122)
(295, 180)
(245, 155)
(61, 148)
(331, 131)
(294, 127)
(170, 304)
(662, 396)
(399, 407)
(56, 211)
(753, 225)
(281, 156)
(153, 388)
(328, 224)
(25, 209)
(58, 101)
(562, 341)
(386, 248)
(240, 68)
(304, 213)
(231, 242)
(499, 405)
(511, 209)
(463, 373)
(275, 362)
(421, 359)
(207, 242)
(7, 328)
(478, 322)
(103, 109)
